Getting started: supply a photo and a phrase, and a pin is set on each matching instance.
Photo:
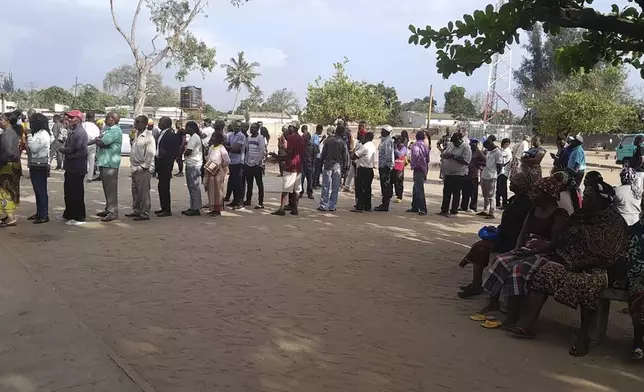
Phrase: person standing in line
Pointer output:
(470, 189)
(281, 148)
(183, 136)
(93, 132)
(215, 173)
(10, 172)
(235, 147)
(291, 181)
(167, 149)
(456, 159)
(442, 145)
(400, 154)
(316, 139)
(206, 133)
(351, 146)
(308, 166)
(38, 142)
(75, 165)
(193, 158)
(142, 159)
(109, 161)
(155, 130)
(254, 166)
(419, 166)
(577, 159)
(335, 159)
(58, 136)
(502, 180)
(305, 131)
(491, 171)
(385, 167)
(365, 159)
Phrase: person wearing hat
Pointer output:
(470, 189)
(385, 167)
(75, 166)
(577, 158)
(456, 160)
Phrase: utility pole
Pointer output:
(75, 92)
(429, 107)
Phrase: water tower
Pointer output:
(191, 101)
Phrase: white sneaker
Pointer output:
(74, 223)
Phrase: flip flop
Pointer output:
(492, 324)
(637, 354)
(481, 317)
(9, 224)
(522, 333)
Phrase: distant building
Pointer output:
(151, 112)
(271, 117)
(419, 120)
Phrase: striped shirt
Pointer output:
(255, 150)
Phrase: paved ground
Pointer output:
(252, 302)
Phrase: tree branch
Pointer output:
(134, 21)
(588, 18)
(120, 30)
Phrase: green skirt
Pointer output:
(10, 187)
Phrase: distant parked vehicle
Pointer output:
(126, 126)
(626, 148)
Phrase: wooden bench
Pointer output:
(603, 310)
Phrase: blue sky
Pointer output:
(294, 40)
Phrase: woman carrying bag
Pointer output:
(215, 173)
(38, 142)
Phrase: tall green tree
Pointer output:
(173, 44)
(89, 98)
(240, 73)
(464, 45)
(253, 102)
(532, 75)
(391, 102)
(52, 95)
(280, 101)
(340, 97)
(457, 104)
(420, 105)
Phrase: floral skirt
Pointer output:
(10, 187)
(572, 289)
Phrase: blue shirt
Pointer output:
(315, 140)
(236, 138)
(577, 159)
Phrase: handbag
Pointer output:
(212, 167)
(489, 233)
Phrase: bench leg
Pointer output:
(601, 324)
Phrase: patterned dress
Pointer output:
(635, 259)
(576, 273)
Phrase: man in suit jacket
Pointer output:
(168, 145)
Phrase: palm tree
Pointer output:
(240, 72)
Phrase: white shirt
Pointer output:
(93, 131)
(366, 155)
(521, 148)
(493, 158)
(207, 131)
(196, 156)
(627, 204)
(506, 153)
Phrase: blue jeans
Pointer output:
(39, 182)
(193, 181)
(418, 201)
(307, 174)
(331, 181)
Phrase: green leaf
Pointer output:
(450, 26)
(489, 9)
(412, 28)
(614, 8)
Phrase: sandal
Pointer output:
(13, 223)
(481, 317)
(492, 324)
(580, 348)
(637, 354)
(521, 333)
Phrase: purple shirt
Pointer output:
(419, 156)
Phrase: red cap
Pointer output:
(75, 113)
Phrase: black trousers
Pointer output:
(502, 190)
(254, 173)
(363, 181)
(164, 174)
(317, 172)
(399, 181)
(452, 186)
(470, 194)
(307, 175)
(180, 163)
(74, 192)
(236, 183)
(386, 185)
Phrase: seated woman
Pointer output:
(569, 195)
(592, 178)
(628, 197)
(574, 269)
(635, 259)
(507, 233)
(531, 159)
(543, 223)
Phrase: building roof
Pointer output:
(277, 115)
(435, 116)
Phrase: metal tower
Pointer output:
(499, 84)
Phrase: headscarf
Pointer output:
(627, 176)
(549, 186)
(605, 190)
(522, 181)
(564, 178)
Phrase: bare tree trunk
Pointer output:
(141, 86)
(235, 103)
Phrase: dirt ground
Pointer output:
(252, 302)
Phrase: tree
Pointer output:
(532, 74)
(180, 48)
(420, 105)
(164, 96)
(90, 98)
(210, 112)
(281, 101)
(7, 84)
(123, 81)
(341, 97)
(54, 95)
(465, 45)
(253, 102)
(240, 73)
(391, 102)
(457, 104)
(478, 101)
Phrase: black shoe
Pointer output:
(356, 210)
(412, 210)
(237, 207)
(231, 204)
(294, 212)
(470, 292)
(288, 208)
(214, 213)
(192, 213)
(247, 203)
(259, 207)
(453, 212)
(102, 214)
(279, 212)
(33, 217)
(185, 212)
(139, 218)
(311, 196)
(381, 208)
(164, 214)
(109, 218)
(132, 215)
(159, 211)
(180, 174)
(38, 221)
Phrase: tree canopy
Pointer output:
(254, 101)
(464, 45)
(122, 82)
(282, 100)
(420, 105)
(457, 104)
(392, 102)
(342, 98)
